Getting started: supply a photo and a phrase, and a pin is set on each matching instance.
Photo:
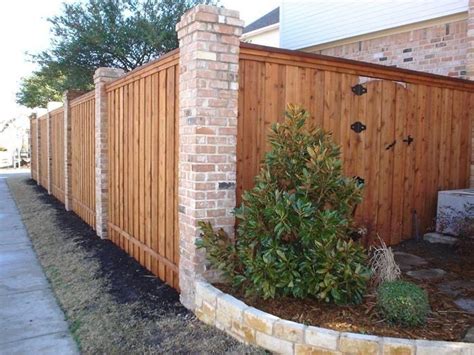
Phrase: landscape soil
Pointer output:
(446, 320)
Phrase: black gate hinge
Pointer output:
(359, 90)
(358, 127)
(391, 145)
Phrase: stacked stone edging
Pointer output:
(253, 326)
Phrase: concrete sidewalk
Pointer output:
(31, 321)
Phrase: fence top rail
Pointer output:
(163, 62)
(43, 117)
(57, 111)
(85, 97)
(319, 61)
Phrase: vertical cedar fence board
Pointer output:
(34, 149)
(43, 151)
(57, 153)
(83, 157)
(143, 161)
(400, 178)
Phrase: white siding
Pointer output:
(305, 23)
(266, 38)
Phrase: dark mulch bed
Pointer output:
(112, 304)
(446, 321)
(128, 281)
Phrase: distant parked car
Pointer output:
(5, 159)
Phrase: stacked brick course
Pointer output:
(470, 41)
(101, 77)
(439, 49)
(208, 99)
(445, 49)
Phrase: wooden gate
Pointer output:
(143, 145)
(410, 144)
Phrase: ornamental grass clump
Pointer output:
(293, 226)
(383, 264)
(403, 303)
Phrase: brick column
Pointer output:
(68, 96)
(208, 101)
(101, 77)
(470, 73)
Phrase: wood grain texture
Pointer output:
(143, 147)
(34, 149)
(83, 157)
(57, 153)
(401, 179)
(43, 178)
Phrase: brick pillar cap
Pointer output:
(106, 72)
(211, 14)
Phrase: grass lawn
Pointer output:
(112, 304)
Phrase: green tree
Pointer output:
(101, 33)
(39, 89)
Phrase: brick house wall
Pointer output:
(443, 46)
(439, 49)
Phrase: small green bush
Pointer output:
(293, 226)
(403, 303)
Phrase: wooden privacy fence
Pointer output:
(114, 155)
(407, 137)
(143, 144)
(83, 157)
(43, 177)
(56, 118)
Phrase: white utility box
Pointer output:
(455, 214)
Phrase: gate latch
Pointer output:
(359, 90)
(409, 139)
(358, 127)
(390, 145)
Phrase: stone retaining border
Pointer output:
(253, 326)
